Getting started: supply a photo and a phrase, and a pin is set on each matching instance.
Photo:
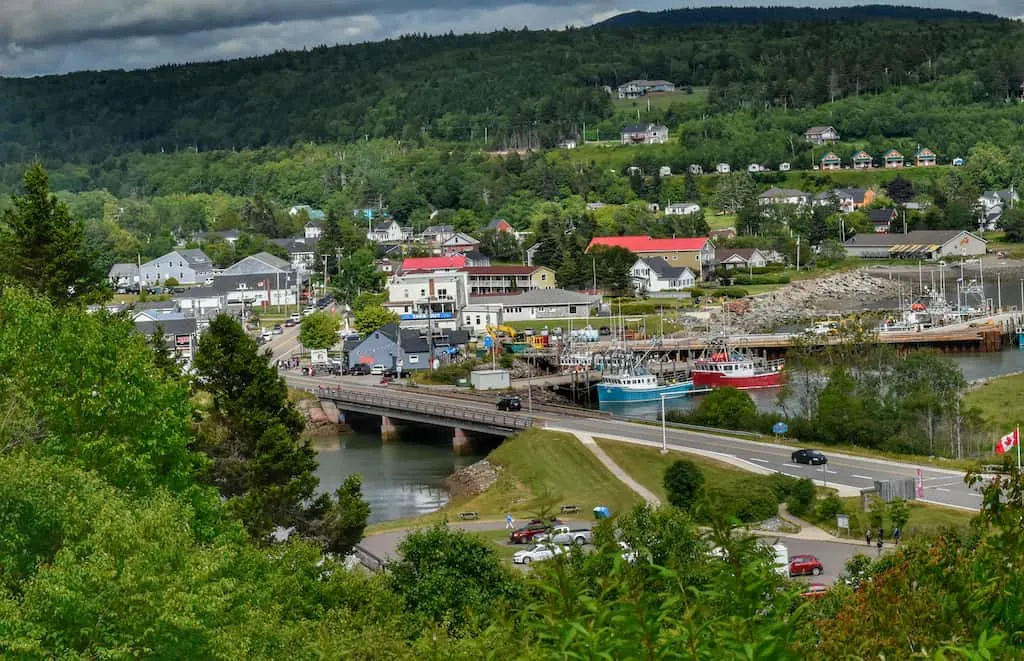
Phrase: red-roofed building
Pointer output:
(697, 254)
(433, 263)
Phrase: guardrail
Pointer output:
(687, 427)
(369, 560)
(502, 420)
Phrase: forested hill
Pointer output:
(517, 88)
(749, 15)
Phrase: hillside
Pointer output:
(752, 15)
(504, 89)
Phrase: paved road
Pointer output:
(943, 487)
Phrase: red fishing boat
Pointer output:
(720, 366)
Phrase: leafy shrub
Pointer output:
(735, 292)
(801, 497)
(749, 500)
(781, 485)
(683, 480)
(829, 507)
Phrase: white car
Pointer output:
(378, 370)
(295, 317)
(308, 311)
(537, 553)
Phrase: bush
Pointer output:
(728, 408)
(829, 507)
(683, 480)
(801, 497)
(781, 485)
(735, 292)
(749, 500)
(171, 282)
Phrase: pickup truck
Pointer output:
(527, 533)
(565, 535)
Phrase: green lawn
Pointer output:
(659, 101)
(647, 465)
(925, 519)
(720, 222)
(999, 401)
(539, 469)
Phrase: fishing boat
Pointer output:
(626, 379)
(639, 385)
(721, 366)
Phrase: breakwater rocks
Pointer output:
(471, 480)
(804, 299)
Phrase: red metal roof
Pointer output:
(647, 244)
(433, 263)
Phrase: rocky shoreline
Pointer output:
(471, 480)
(804, 299)
(322, 418)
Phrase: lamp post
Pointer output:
(664, 432)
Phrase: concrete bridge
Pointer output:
(392, 406)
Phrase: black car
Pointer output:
(359, 370)
(812, 457)
(510, 404)
(324, 302)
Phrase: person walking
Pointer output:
(879, 544)
(896, 536)
(867, 536)
(881, 533)
(508, 521)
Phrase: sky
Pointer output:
(57, 36)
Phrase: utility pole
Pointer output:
(325, 275)
(593, 261)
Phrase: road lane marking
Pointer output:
(977, 495)
(941, 489)
(830, 472)
(790, 465)
(762, 461)
(863, 477)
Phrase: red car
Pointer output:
(815, 591)
(805, 564)
(534, 527)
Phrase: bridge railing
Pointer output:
(439, 410)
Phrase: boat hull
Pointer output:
(611, 393)
(708, 380)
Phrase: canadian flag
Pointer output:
(261, 283)
(1009, 441)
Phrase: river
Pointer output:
(401, 478)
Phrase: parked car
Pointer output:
(510, 404)
(565, 535)
(277, 329)
(537, 553)
(534, 527)
(265, 334)
(295, 316)
(812, 457)
(604, 330)
(815, 591)
(800, 565)
(324, 302)
(289, 323)
(360, 370)
(378, 370)
(308, 311)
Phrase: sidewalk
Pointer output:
(811, 532)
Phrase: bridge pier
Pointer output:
(388, 429)
(461, 443)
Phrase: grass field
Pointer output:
(925, 519)
(659, 101)
(539, 469)
(999, 401)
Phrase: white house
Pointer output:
(301, 251)
(188, 267)
(665, 171)
(991, 205)
(919, 244)
(181, 332)
(542, 304)
(386, 230)
(654, 274)
(682, 209)
(440, 294)
(644, 134)
(637, 88)
(783, 196)
(124, 276)
(821, 135)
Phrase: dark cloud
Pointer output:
(55, 36)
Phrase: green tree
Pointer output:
(1012, 222)
(898, 513)
(500, 246)
(613, 266)
(262, 465)
(338, 525)
(451, 576)
(357, 272)
(683, 481)
(42, 247)
(900, 189)
(369, 318)
(988, 167)
(728, 408)
(735, 191)
(801, 497)
(163, 354)
(319, 330)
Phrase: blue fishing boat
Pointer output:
(639, 385)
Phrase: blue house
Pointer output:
(390, 344)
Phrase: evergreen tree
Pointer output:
(163, 357)
(42, 247)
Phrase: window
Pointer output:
(543, 276)
(572, 309)
(423, 292)
(413, 358)
(477, 320)
(442, 292)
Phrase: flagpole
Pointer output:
(1017, 432)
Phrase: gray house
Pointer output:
(188, 267)
(390, 344)
(124, 276)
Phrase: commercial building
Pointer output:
(920, 244)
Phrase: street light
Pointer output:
(664, 440)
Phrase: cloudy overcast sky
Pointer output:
(57, 36)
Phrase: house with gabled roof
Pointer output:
(644, 134)
(697, 253)
(893, 159)
(385, 230)
(783, 196)
(740, 258)
(882, 219)
(500, 225)
(862, 160)
(830, 161)
(458, 243)
(654, 274)
(188, 267)
(924, 158)
(821, 135)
